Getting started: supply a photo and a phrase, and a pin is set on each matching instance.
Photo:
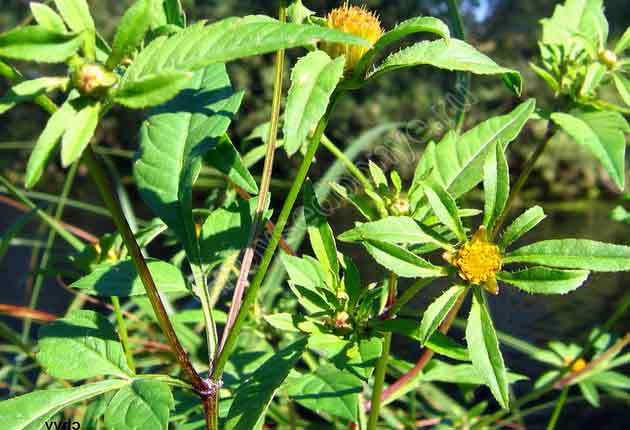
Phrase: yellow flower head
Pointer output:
(478, 261)
(577, 366)
(357, 21)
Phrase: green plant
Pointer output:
(314, 357)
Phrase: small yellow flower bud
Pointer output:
(478, 261)
(578, 365)
(401, 207)
(609, 58)
(357, 21)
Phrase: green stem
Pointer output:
(122, 332)
(212, 338)
(524, 176)
(558, 409)
(252, 290)
(462, 84)
(263, 195)
(352, 168)
(139, 262)
(12, 74)
(381, 366)
(379, 382)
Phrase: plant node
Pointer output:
(92, 79)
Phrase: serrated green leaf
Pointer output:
(152, 90)
(306, 277)
(459, 160)
(313, 81)
(32, 410)
(485, 354)
(28, 90)
(521, 225)
(454, 55)
(76, 13)
(589, 391)
(225, 232)
(47, 18)
(320, 233)
(328, 391)
(142, 405)
(603, 133)
(121, 279)
(439, 371)
(623, 87)
(79, 132)
(173, 139)
(252, 398)
(610, 378)
(131, 30)
(401, 230)
(496, 186)
(574, 254)
(445, 208)
(401, 261)
(623, 43)
(201, 45)
(225, 158)
(36, 43)
(95, 346)
(48, 142)
(542, 280)
(594, 76)
(438, 310)
(575, 23)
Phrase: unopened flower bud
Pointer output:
(90, 78)
(608, 58)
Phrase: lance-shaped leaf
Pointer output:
(48, 141)
(623, 87)
(454, 55)
(320, 233)
(80, 131)
(485, 354)
(438, 310)
(121, 279)
(142, 405)
(307, 280)
(252, 398)
(401, 261)
(624, 42)
(28, 90)
(496, 186)
(31, 411)
(458, 164)
(574, 254)
(329, 391)
(76, 13)
(445, 208)
(402, 230)
(226, 231)
(313, 81)
(93, 340)
(152, 90)
(36, 43)
(46, 17)
(603, 133)
(173, 139)
(543, 280)
(420, 24)
(576, 22)
(131, 30)
(200, 45)
(521, 225)
(225, 158)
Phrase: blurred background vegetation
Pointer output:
(575, 190)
